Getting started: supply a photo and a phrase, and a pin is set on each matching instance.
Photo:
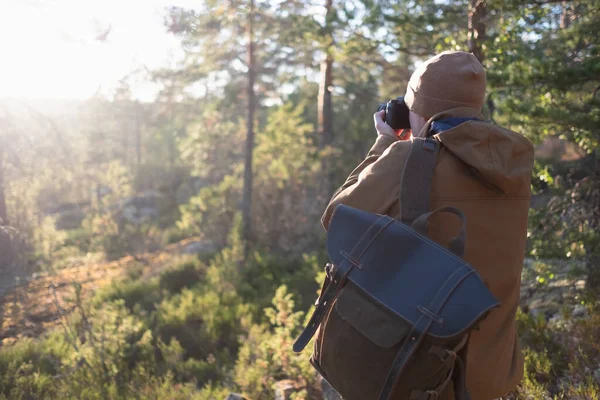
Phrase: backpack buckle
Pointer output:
(424, 395)
(429, 144)
(329, 270)
(431, 395)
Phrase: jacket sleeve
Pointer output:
(374, 185)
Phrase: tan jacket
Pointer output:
(485, 171)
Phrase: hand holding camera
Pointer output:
(392, 119)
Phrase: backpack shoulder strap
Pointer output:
(415, 186)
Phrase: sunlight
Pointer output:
(70, 49)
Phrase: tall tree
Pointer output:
(233, 47)
(325, 105)
(476, 25)
(247, 191)
(545, 77)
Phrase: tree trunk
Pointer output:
(325, 105)
(592, 247)
(3, 210)
(247, 192)
(325, 113)
(477, 35)
(172, 134)
(138, 135)
(565, 16)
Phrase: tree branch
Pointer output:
(595, 93)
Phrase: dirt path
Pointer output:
(30, 310)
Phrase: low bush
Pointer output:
(183, 273)
(21, 367)
(266, 354)
(204, 322)
(141, 293)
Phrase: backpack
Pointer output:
(393, 317)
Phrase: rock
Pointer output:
(329, 393)
(535, 312)
(198, 247)
(284, 389)
(579, 311)
(597, 375)
(556, 319)
(235, 396)
(142, 207)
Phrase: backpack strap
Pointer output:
(415, 186)
(336, 279)
(415, 193)
(332, 284)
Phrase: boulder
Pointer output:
(199, 247)
(579, 311)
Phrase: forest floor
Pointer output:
(37, 305)
(557, 324)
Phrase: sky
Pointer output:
(56, 49)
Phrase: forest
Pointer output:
(172, 248)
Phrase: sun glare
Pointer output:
(70, 49)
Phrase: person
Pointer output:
(482, 169)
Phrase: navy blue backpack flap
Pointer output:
(406, 272)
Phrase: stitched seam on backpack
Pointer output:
(430, 314)
(456, 285)
(359, 240)
(351, 259)
(390, 220)
(366, 233)
(436, 245)
(452, 276)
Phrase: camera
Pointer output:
(396, 113)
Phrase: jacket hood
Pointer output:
(499, 157)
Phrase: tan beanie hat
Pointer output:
(449, 80)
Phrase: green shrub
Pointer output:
(81, 238)
(200, 370)
(142, 293)
(183, 273)
(264, 273)
(149, 387)
(175, 234)
(48, 239)
(135, 270)
(22, 367)
(211, 212)
(266, 354)
(204, 322)
(109, 346)
(66, 257)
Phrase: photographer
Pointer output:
(482, 169)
